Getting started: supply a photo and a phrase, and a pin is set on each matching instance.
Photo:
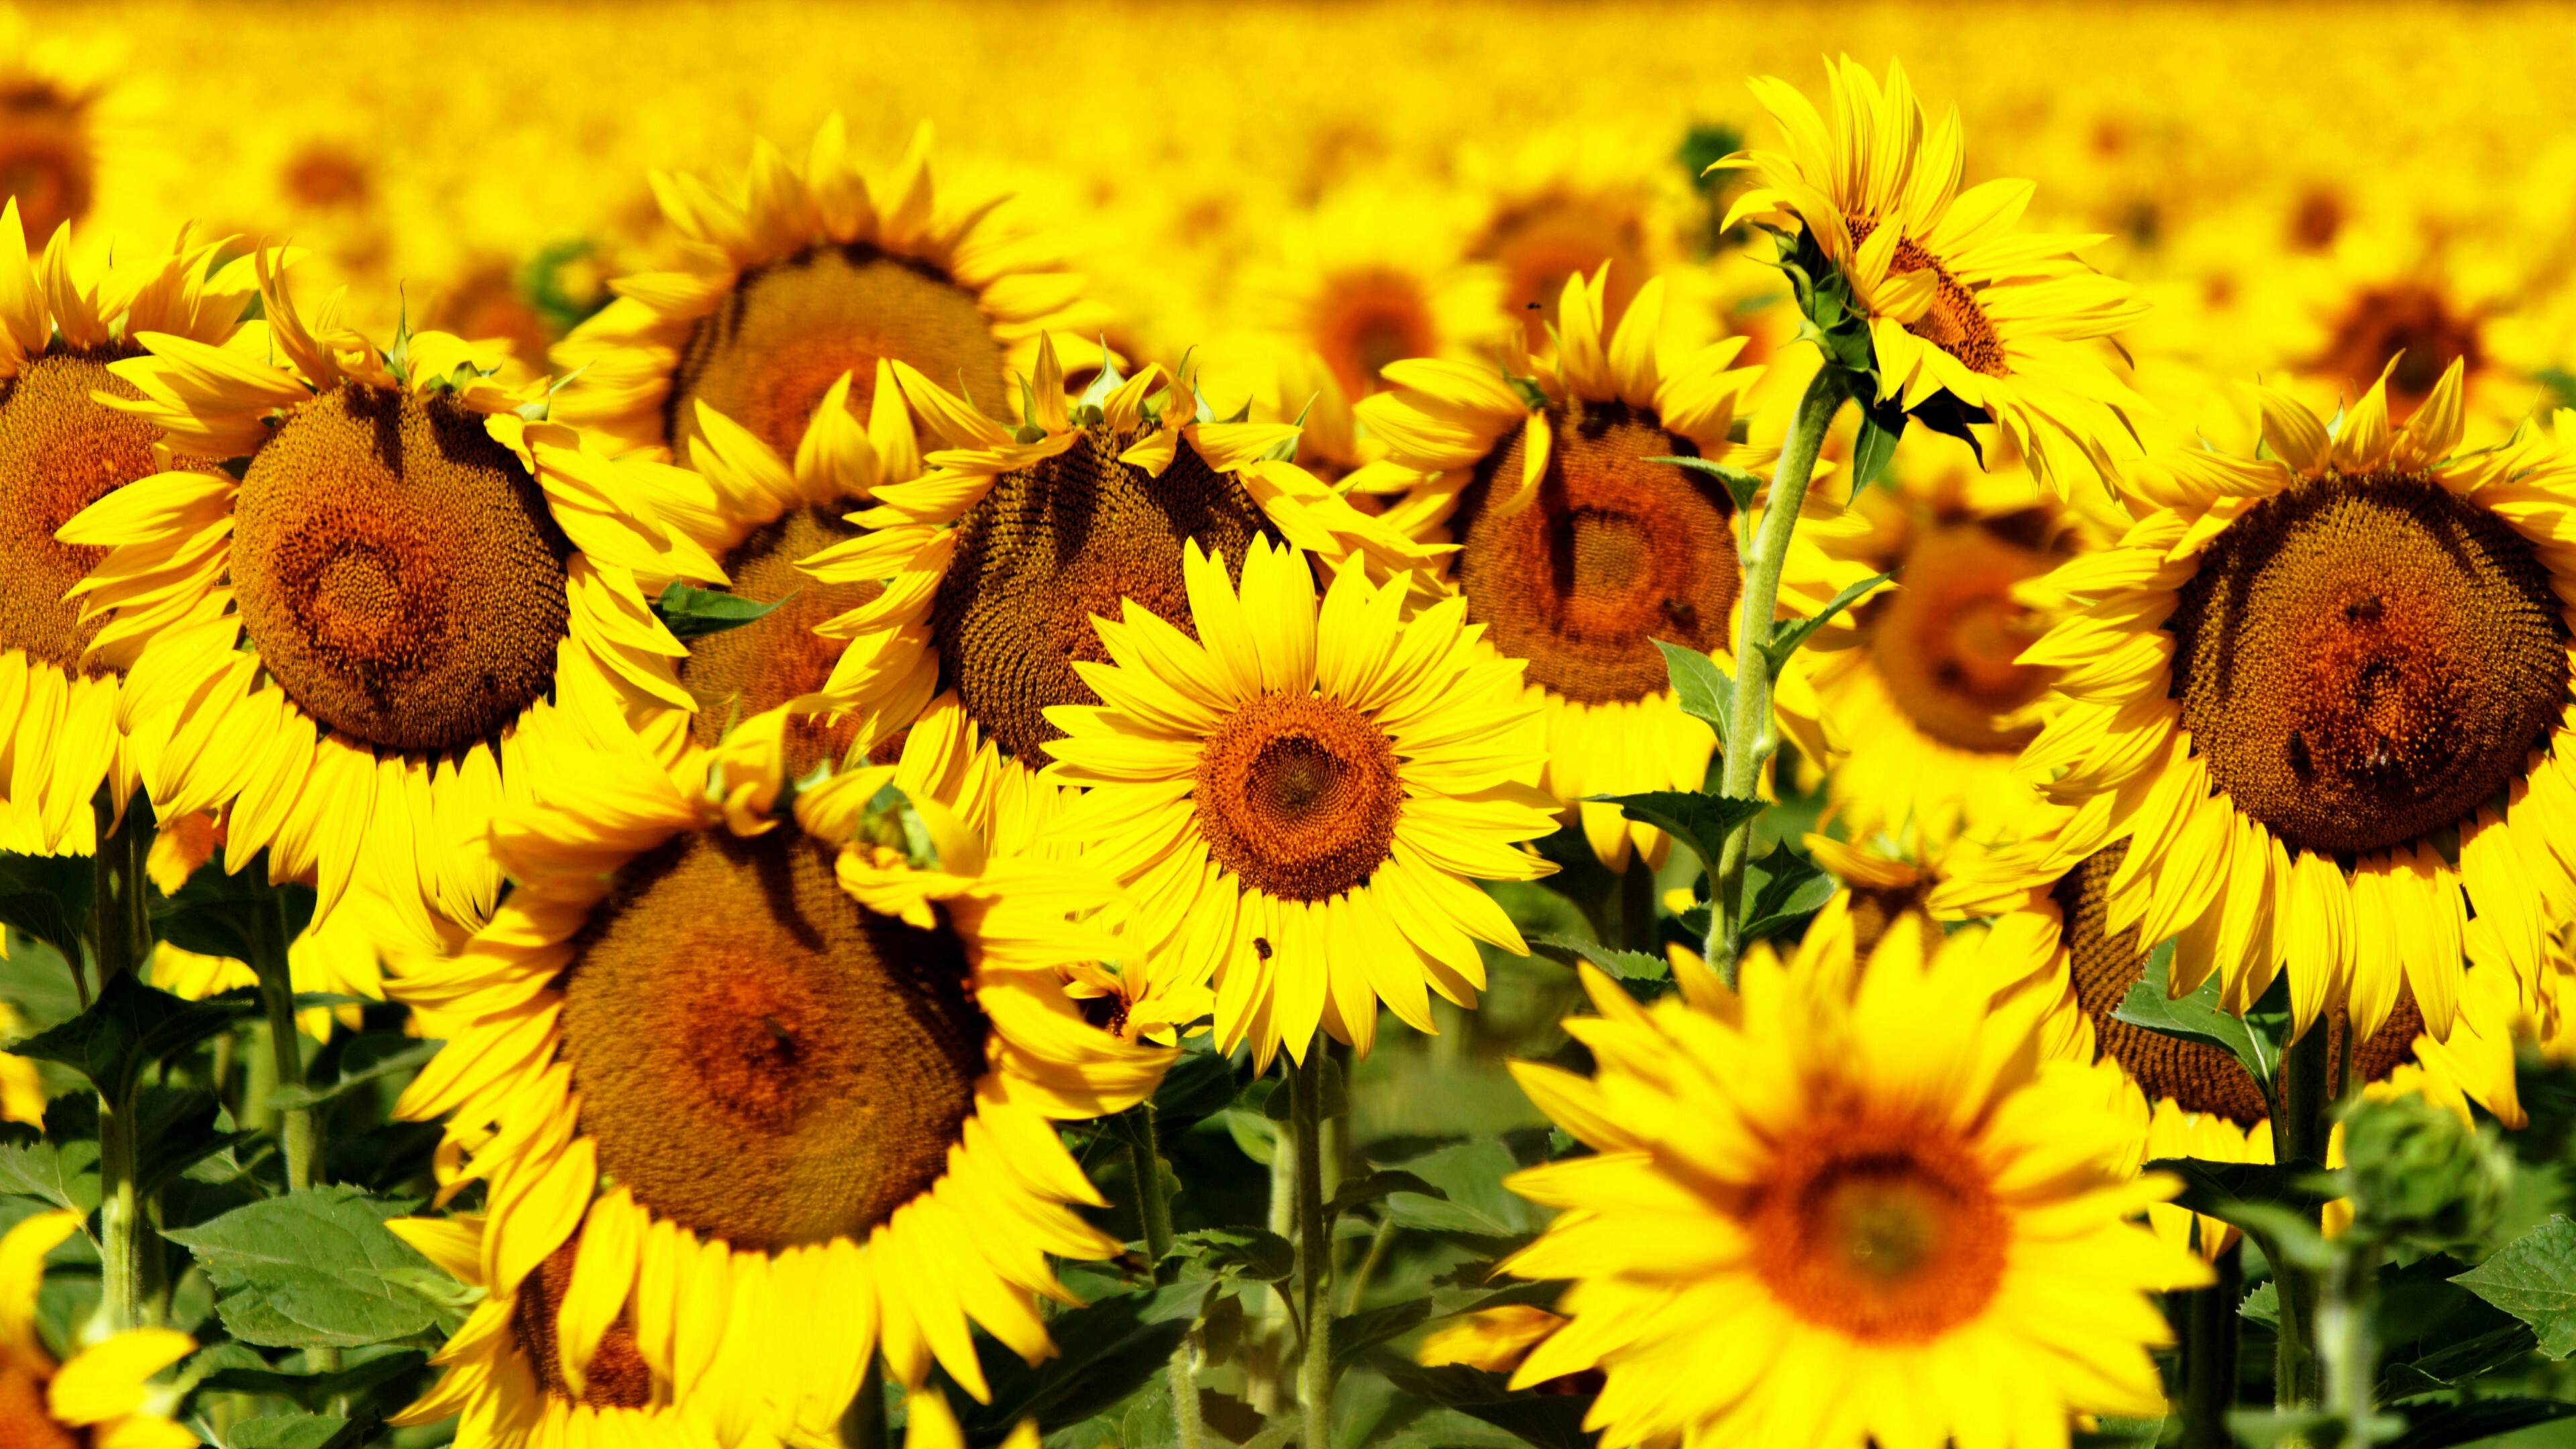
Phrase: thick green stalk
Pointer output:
(1153, 1205)
(120, 934)
(1184, 1372)
(2299, 1129)
(299, 1129)
(2210, 1338)
(1749, 713)
(1314, 1249)
(2344, 1343)
(1637, 906)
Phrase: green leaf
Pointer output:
(1256, 1254)
(217, 912)
(1103, 1353)
(1550, 1421)
(2210, 1186)
(1361, 1332)
(1781, 889)
(176, 1130)
(2534, 1279)
(313, 1391)
(693, 613)
(1742, 486)
(1473, 1199)
(1704, 691)
(1622, 965)
(313, 1269)
(1253, 1135)
(130, 1028)
(1701, 822)
(1787, 635)
(1875, 448)
(287, 1099)
(65, 1175)
(286, 1431)
(2195, 1018)
(1361, 1191)
(1199, 1085)
(48, 897)
(2439, 1425)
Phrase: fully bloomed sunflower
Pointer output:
(1578, 552)
(2322, 696)
(791, 280)
(62, 730)
(1955, 300)
(1831, 1212)
(995, 563)
(1303, 798)
(721, 1069)
(102, 1397)
(416, 591)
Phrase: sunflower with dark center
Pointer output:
(2059, 936)
(63, 725)
(2326, 693)
(1371, 276)
(412, 599)
(1804, 1197)
(995, 564)
(772, 1064)
(48, 150)
(793, 279)
(104, 1395)
(1578, 552)
(1539, 241)
(1957, 301)
(1301, 798)
(1923, 684)
(2412, 320)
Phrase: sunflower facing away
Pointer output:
(352, 649)
(721, 1070)
(792, 280)
(2322, 695)
(1820, 1216)
(1577, 554)
(1924, 685)
(102, 1398)
(1957, 301)
(1302, 798)
(995, 563)
(61, 450)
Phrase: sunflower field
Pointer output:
(1440, 725)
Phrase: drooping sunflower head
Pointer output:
(413, 567)
(1579, 542)
(103, 1394)
(1835, 1181)
(792, 280)
(997, 562)
(1967, 321)
(2337, 677)
(752, 1059)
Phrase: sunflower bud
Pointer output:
(2417, 1171)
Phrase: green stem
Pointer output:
(1637, 906)
(1378, 1240)
(1749, 712)
(2210, 1329)
(120, 934)
(299, 1129)
(1153, 1205)
(2299, 1130)
(1314, 1249)
(863, 1424)
(1185, 1392)
(2344, 1343)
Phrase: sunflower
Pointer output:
(69, 128)
(720, 1069)
(61, 450)
(792, 281)
(2320, 694)
(103, 1397)
(1373, 275)
(1818, 1215)
(1578, 553)
(1956, 301)
(1302, 797)
(1563, 204)
(995, 563)
(416, 593)
(770, 514)
(1923, 683)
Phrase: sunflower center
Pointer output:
(2194, 1076)
(1612, 554)
(45, 157)
(1947, 643)
(1954, 322)
(1299, 796)
(2411, 318)
(398, 572)
(617, 1378)
(789, 330)
(1055, 543)
(2367, 658)
(759, 1058)
(1540, 243)
(25, 1422)
(59, 453)
(773, 659)
(1367, 320)
(1884, 1230)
